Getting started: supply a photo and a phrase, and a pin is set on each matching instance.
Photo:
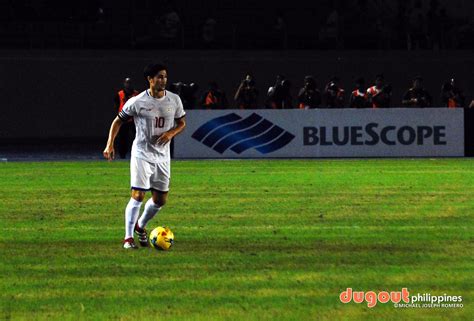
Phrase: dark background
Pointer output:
(61, 62)
(238, 24)
(53, 94)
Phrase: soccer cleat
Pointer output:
(129, 244)
(142, 236)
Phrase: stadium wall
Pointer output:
(319, 133)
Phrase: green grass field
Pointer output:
(255, 240)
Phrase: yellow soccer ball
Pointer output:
(161, 238)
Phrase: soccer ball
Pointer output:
(161, 238)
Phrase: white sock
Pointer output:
(131, 216)
(148, 213)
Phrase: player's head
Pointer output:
(156, 76)
(127, 84)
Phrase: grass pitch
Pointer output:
(255, 240)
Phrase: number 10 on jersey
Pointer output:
(159, 122)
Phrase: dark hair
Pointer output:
(360, 81)
(379, 76)
(418, 77)
(152, 70)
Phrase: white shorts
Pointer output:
(145, 176)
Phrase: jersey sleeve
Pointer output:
(180, 113)
(128, 111)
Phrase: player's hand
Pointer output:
(164, 138)
(109, 153)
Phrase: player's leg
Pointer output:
(159, 189)
(152, 207)
(140, 172)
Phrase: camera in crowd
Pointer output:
(248, 83)
(187, 93)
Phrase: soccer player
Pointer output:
(158, 116)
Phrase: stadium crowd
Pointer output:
(332, 95)
(243, 24)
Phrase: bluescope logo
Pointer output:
(240, 134)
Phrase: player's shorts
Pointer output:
(145, 175)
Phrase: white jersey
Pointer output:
(152, 117)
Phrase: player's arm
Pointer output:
(109, 152)
(167, 136)
(127, 113)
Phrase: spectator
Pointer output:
(162, 30)
(278, 81)
(416, 27)
(95, 11)
(359, 95)
(280, 31)
(279, 96)
(334, 94)
(417, 96)
(213, 98)
(284, 97)
(434, 25)
(309, 96)
(169, 22)
(246, 95)
(330, 33)
(448, 34)
(208, 34)
(401, 25)
(379, 95)
(451, 95)
(127, 131)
